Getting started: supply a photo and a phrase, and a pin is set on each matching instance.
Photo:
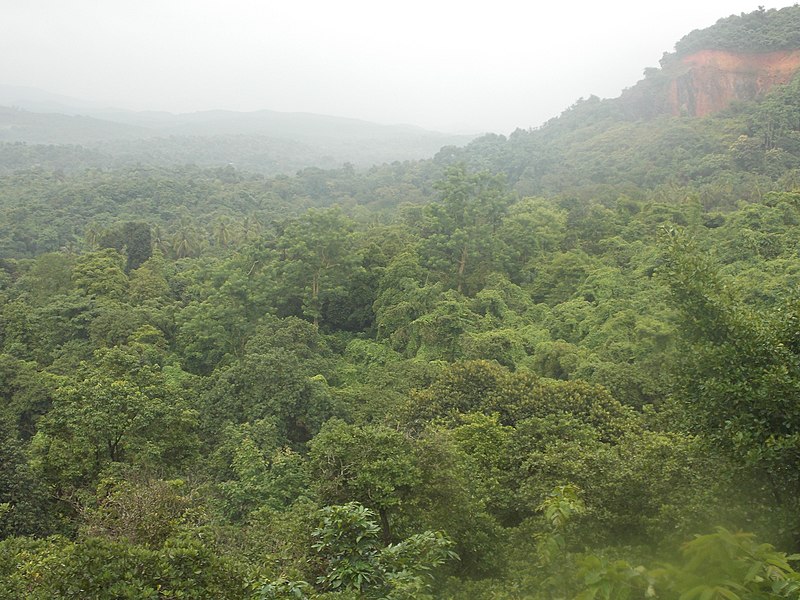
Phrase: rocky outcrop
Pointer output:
(708, 81)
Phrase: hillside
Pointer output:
(18, 125)
(714, 120)
(559, 365)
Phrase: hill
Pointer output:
(718, 121)
(267, 142)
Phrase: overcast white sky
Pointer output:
(449, 65)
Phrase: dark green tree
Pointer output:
(739, 370)
(373, 464)
(459, 233)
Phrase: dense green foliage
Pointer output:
(552, 366)
(759, 31)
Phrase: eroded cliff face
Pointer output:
(706, 82)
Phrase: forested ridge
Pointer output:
(759, 31)
(562, 364)
(266, 142)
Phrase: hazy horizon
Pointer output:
(446, 66)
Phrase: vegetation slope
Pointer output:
(564, 364)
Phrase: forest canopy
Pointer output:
(562, 364)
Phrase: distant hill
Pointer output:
(265, 141)
(36, 100)
(19, 125)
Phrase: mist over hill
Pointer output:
(267, 142)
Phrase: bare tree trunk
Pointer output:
(315, 297)
(462, 265)
(385, 529)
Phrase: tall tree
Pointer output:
(317, 257)
(459, 231)
(739, 372)
(374, 465)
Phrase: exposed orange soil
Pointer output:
(712, 79)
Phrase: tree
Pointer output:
(353, 559)
(271, 384)
(222, 233)
(402, 298)
(101, 274)
(148, 283)
(532, 228)
(211, 332)
(262, 473)
(559, 508)
(719, 565)
(317, 257)
(140, 511)
(437, 333)
(372, 464)
(460, 241)
(131, 238)
(25, 395)
(116, 410)
(485, 446)
(477, 386)
(739, 372)
(185, 240)
(49, 276)
(95, 567)
(26, 507)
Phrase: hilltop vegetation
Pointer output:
(759, 31)
(264, 142)
(563, 364)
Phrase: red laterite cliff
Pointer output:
(708, 81)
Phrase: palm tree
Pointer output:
(160, 241)
(222, 233)
(183, 243)
(251, 228)
(92, 235)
